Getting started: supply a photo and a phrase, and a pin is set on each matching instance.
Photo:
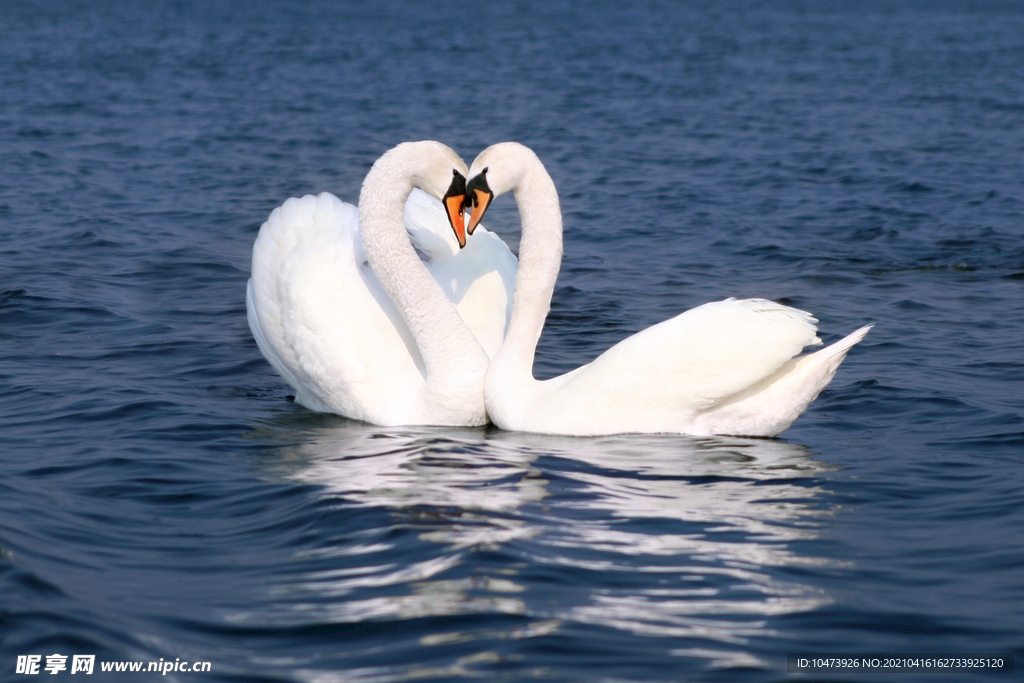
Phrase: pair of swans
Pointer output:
(360, 324)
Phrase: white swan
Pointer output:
(728, 367)
(349, 315)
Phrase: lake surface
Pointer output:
(162, 499)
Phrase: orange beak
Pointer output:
(481, 200)
(454, 201)
(455, 207)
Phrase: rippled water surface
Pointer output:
(161, 497)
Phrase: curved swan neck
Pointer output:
(446, 344)
(540, 257)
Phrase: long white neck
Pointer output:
(453, 358)
(540, 257)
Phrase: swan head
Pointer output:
(434, 168)
(496, 170)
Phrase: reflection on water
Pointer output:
(408, 468)
(670, 537)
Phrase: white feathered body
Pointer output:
(323, 321)
(728, 367)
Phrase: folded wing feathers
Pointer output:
(716, 350)
(742, 341)
(295, 226)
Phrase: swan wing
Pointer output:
(479, 279)
(320, 317)
(662, 378)
(769, 407)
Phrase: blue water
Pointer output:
(161, 498)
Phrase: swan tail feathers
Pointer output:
(843, 346)
(769, 407)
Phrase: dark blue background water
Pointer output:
(161, 498)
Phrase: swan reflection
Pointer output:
(657, 536)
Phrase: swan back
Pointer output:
(320, 321)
